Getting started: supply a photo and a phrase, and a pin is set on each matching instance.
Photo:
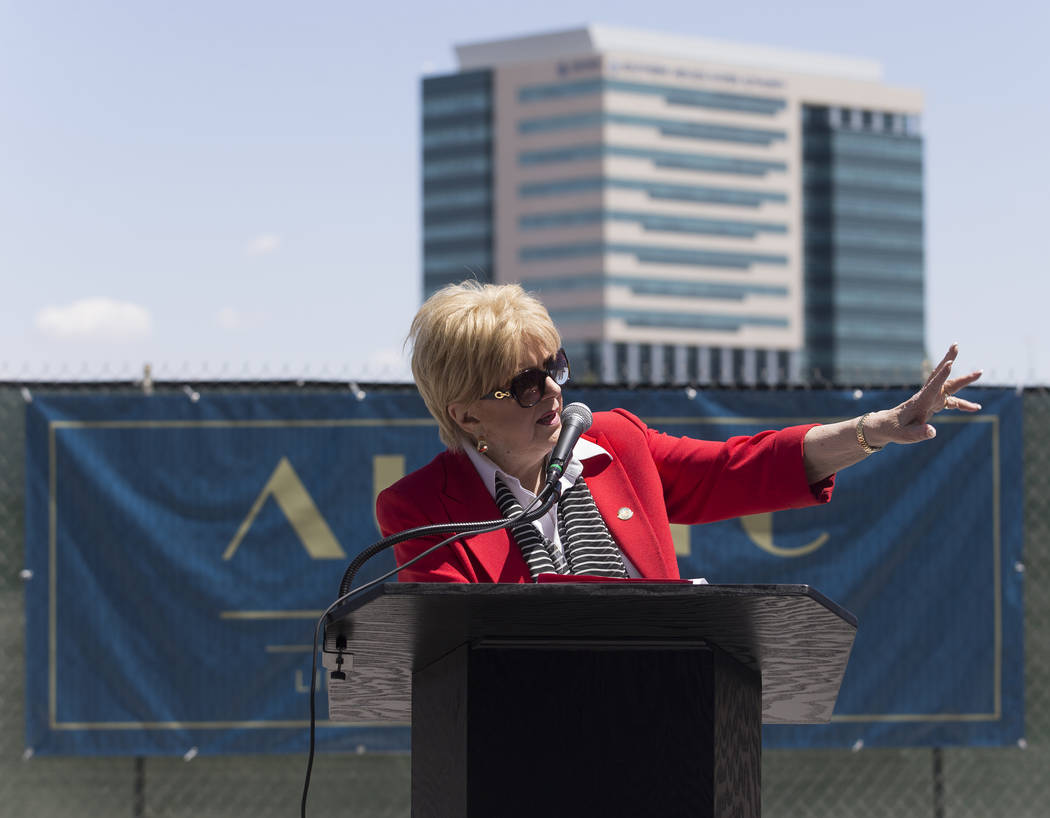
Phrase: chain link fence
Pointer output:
(971, 782)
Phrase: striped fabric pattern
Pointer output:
(587, 546)
(590, 549)
(539, 553)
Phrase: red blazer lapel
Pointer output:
(465, 498)
(617, 498)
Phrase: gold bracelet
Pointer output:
(863, 441)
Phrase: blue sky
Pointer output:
(237, 184)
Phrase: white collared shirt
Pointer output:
(548, 523)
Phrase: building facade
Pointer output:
(689, 211)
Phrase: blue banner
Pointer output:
(182, 550)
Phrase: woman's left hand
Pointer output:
(910, 421)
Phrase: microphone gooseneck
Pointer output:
(576, 419)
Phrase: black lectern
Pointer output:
(592, 699)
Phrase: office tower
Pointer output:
(690, 211)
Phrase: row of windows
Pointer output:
(890, 354)
(449, 122)
(449, 215)
(846, 254)
(904, 367)
(439, 137)
(900, 303)
(475, 228)
(667, 127)
(667, 159)
(875, 225)
(668, 320)
(466, 102)
(855, 352)
(447, 247)
(851, 266)
(437, 169)
(859, 328)
(656, 190)
(841, 174)
(818, 239)
(650, 254)
(848, 143)
(903, 167)
(722, 290)
(843, 318)
(901, 265)
(678, 363)
(905, 214)
(882, 289)
(468, 197)
(452, 262)
(443, 84)
(650, 221)
(860, 161)
(463, 181)
(858, 119)
(859, 195)
(458, 150)
(674, 95)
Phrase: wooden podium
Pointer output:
(591, 699)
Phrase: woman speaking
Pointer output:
(488, 362)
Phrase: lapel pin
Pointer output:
(625, 513)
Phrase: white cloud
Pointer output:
(263, 244)
(235, 320)
(95, 319)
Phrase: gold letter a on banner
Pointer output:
(295, 501)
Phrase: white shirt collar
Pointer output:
(487, 469)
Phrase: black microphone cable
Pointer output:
(526, 516)
(466, 529)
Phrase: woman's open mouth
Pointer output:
(549, 419)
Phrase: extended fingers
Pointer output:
(935, 386)
(951, 401)
(945, 365)
(955, 384)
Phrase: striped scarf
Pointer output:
(587, 546)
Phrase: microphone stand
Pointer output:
(547, 497)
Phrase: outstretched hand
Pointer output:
(910, 421)
(832, 447)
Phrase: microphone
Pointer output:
(576, 419)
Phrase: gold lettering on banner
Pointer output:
(680, 535)
(387, 469)
(759, 528)
(298, 506)
(302, 686)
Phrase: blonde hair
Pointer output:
(467, 340)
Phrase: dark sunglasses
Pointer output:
(529, 385)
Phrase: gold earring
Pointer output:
(483, 445)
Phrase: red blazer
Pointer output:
(660, 478)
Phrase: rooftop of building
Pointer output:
(599, 38)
